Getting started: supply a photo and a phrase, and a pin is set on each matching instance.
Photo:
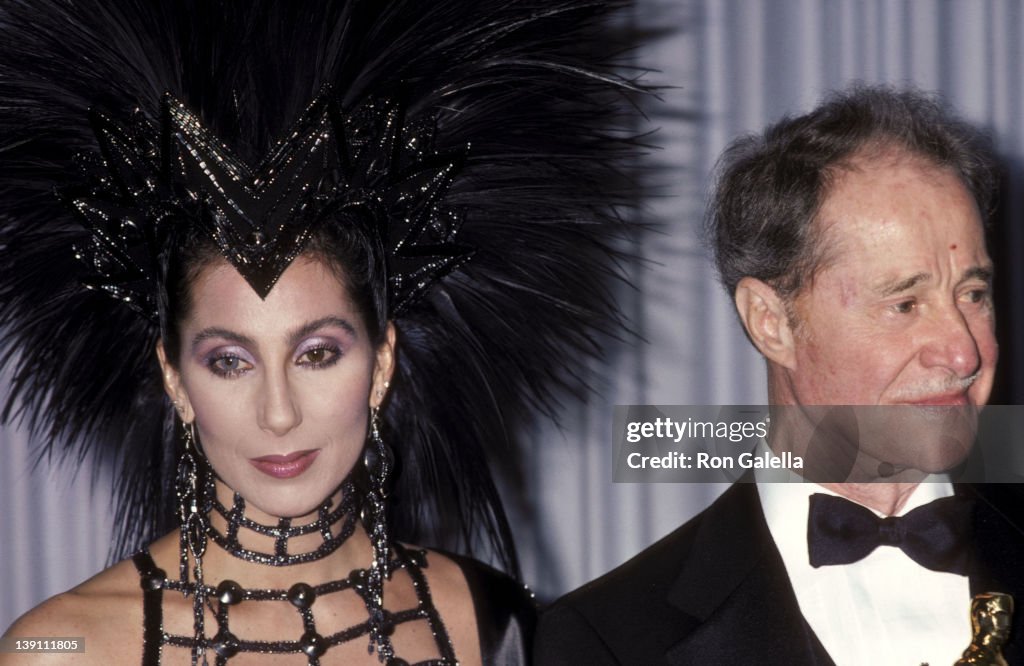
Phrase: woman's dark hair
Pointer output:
(345, 246)
(771, 186)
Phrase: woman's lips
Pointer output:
(286, 466)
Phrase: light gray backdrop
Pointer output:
(729, 67)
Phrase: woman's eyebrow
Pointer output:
(315, 325)
(223, 333)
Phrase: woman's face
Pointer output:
(280, 389)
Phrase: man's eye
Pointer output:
(904, 307)
(976, 295)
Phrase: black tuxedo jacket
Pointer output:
(715, 591)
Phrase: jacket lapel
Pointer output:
(736, 589)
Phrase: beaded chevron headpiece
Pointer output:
(151, 177)
(478, 145)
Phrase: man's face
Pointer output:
(901, 313)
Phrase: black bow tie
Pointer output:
(933, 535)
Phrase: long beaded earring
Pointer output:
(378, 460)
(192, 539)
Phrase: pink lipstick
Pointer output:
(286, 466)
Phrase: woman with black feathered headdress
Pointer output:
(306, 267)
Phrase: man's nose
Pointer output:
(279, 412)
(952, 344)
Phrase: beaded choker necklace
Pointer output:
(324, 524)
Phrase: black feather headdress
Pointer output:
(488, 127)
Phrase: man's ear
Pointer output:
(173, 386)
(383, 367)
(766, 319)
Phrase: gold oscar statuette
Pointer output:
(991, 616)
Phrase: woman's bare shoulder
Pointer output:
(464, 590)
(104, 612)
(454, 602)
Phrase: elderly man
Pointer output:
(852, 242)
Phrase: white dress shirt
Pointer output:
(884, 609)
